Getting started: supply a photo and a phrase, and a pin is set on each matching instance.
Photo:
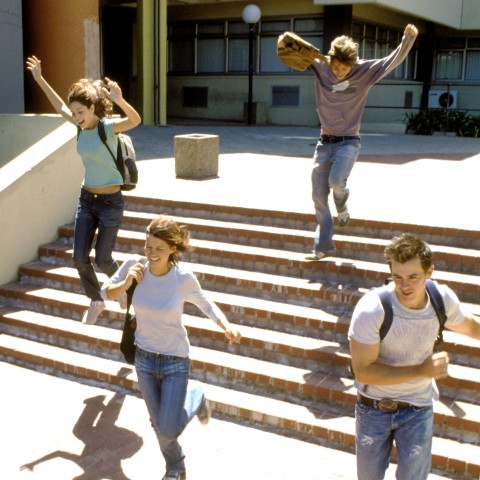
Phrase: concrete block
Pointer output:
(196, 155)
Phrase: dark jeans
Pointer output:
(104, 212)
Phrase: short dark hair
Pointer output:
(407, 247)
(168, 230)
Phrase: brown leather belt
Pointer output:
(385, 405)
(336, 139)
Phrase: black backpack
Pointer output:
(125, 158)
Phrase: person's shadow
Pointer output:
(106, 444)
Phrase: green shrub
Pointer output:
(427, 121)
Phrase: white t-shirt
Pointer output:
(158, 302)
(409, 341)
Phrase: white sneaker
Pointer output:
(205, 413)
(94, 310)
(343, 217)
(317, 256)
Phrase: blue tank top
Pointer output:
(100, 168)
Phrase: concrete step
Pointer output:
(261, 314)
(292, 264)
(317, 423)
(456, 414)
(296, 291)
(298, 242)
(454, 237)
(29, 316)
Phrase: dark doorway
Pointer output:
(119, 49)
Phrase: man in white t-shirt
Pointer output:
(394, 377)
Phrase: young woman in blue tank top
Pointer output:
(100, 205)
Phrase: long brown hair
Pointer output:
(90, 93)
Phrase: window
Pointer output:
(457, 58)
(285, 96)
(223, 47)
(378, 42)
(195, 97)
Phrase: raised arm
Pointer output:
(132, 119)
(34, 65)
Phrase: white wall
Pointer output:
(19, 132)
(38, 193)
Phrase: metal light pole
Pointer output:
(251, 15)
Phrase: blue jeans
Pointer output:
(104, 212)
(332, 165)
(171, 400)
(412, 430)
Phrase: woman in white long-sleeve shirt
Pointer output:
(161, 358)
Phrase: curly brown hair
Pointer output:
(407, 247)
(168, 230)
(344, 49)
(88, 93)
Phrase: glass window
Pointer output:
(448, 65)
(211, 28)
(269, 61)
(275, 27)
(182, 56)
(223, 46)
(305, 25)
(451, 43)
(211, 55)
(472, 71)
(238, 55)
(237, 28)
(473, 43)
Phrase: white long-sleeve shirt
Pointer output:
(158, 302)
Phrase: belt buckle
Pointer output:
(387, 405)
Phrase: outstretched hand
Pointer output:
(114, 92)
(34, 65)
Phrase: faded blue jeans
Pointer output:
(104, 212)
(332, 164)
(412, 430)
(172, 401)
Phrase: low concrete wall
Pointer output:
(19, 132)
(38, 193)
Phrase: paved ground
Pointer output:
(400, 178)
(57, 429)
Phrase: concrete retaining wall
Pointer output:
(38, 193)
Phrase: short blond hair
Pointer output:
(344, 49)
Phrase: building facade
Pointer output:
(189, 59)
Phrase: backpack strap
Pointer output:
(439, 307)
(384, 295)
(103, 138)
(79, 131)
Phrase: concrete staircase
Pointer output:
(290, 372)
